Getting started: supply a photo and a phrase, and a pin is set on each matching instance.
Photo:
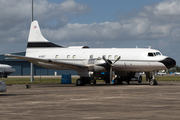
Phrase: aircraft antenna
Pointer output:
(149, 47)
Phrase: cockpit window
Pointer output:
(158, 53)
(153, 54)
(150, 54)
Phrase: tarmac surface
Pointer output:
(92, 102)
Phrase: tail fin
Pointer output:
(35, 33)
(36, 39)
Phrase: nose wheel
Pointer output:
(151, 77)
(153, 82)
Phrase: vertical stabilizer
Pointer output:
(36, 41)
(35, 33)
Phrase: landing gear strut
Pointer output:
(153, 82)
(151, 77)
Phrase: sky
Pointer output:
(94, 23)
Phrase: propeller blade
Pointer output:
(106, 60)
(110, 75)
(117, 59)
(111, 65)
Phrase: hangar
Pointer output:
(23, 67)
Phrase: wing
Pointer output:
(49, 62)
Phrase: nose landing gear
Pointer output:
(151, 77)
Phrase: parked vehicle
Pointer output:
(137, 77)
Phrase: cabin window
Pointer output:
(110, 57)
(116, 56)
(57, 56)
(74, 56)
(91, 56)
(150, 54)
(68, 56)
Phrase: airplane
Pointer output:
(5, 70)
(161, 73)
(91, 62)
(177, 73)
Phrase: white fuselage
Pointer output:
(6, 69)
(132, 59)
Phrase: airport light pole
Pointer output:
(32, 75)
(32, 13)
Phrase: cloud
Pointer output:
(165, 8)
(152, 22)
(145, 24)
(155, 23)
(16, 15)
(73, 7)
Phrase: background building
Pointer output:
(23, 67)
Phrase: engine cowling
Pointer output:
(100, 66)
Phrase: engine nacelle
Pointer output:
(97, 65)
(100, 66)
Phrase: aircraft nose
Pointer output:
(14, 70)
(169, 62)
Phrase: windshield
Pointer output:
(153, 54)
(158, 53)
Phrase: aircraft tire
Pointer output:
(79, 82)
(140, 80)
(128, 79)
(116, 81)
(151, 83)
(155, 82)
(94, 82)
(5, 76)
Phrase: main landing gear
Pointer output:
(84, 80)
(88, 80)
(79, 82)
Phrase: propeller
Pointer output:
(111, 66)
